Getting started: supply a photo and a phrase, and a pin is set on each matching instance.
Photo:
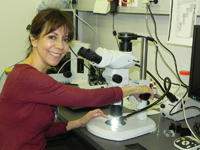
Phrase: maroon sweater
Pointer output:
(28, 102)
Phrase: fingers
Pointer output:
(148, 90)
(98, 113)
(142, 90)
(139, 99)
(91, 115)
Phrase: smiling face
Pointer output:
(49, 49)
(50, 31)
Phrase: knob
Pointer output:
(145, 96)
(162, 106)
(67, 74)
(117, 78)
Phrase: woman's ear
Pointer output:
(33, 40)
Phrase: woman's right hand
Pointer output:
(85, 119)
(136, 91)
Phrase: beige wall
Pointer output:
(15, 15)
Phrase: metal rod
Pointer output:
(143, 62)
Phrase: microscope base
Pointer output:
(132, 128)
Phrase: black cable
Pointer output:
(171, 12)
(166, 80)
(114, 31)
(170, 113)
(156, 67)
(155, 27)
(170, 96)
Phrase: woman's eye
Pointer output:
(52, 37)
(66, 40)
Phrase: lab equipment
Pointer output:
(151, 83)
(194, 82)
(154, 88)
(187, 142)
(174, 110)
(116, 73)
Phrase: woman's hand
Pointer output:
(85, 119)
(142, 90)
(91, 115)
(136, 91)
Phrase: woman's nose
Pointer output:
(59, 44)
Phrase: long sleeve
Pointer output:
(44, 89)
(56, 128)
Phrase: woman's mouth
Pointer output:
(55, 54)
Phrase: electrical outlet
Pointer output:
(133, 3)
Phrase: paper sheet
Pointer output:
(182, 20)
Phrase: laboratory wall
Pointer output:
(14, 18)
(98, 29)
(100, 34)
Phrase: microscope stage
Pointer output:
(132, 128)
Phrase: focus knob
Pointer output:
(67, 74)
(117, 78)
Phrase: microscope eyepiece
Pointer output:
(90, 55)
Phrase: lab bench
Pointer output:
(152, 141)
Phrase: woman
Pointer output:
(29, 97)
